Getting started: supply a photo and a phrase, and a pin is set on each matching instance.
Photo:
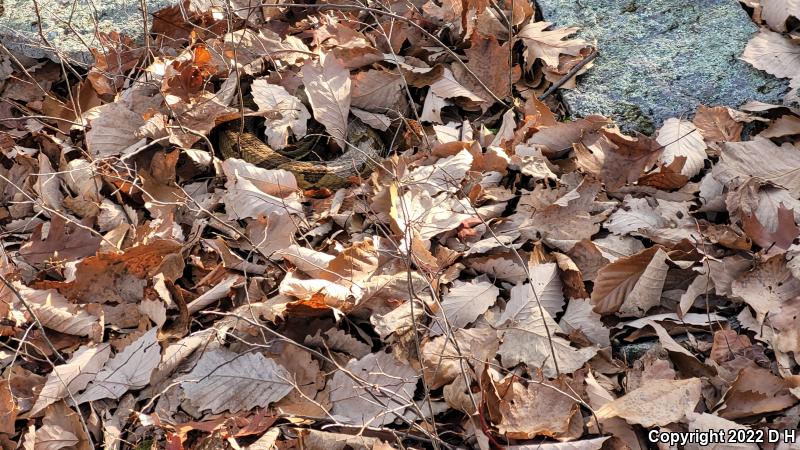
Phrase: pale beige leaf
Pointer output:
(378, 121)
(545, 291)
(463, 303)
(224, 381)
(775, 12)
(580, 315)
(663, 221)
(682, 138)
(328, 87)
(658, 403)
(548, 45)
(767, 286)
(253, 191)
(631, 285)
(786, 125)
(444, 175)
(381, 391)
(442, 361)
(56, 312)
(339, 341)
(773, 53)
(128, 369)
(585, 444)
(760, 158)
(284, 112)
(534, 343)
(114, 130)
(69, 378)
(710, 423)
(447, 87)
(53, 437)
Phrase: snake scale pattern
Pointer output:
(358, 160)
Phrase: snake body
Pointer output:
(358, 159)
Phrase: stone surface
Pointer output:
(661, 58)
(69, 26)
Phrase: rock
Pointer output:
(69, 26)
(661, 58)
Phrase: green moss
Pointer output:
(634, 118)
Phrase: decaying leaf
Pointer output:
(658, 403)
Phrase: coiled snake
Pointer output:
(362, 154)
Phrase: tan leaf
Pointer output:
(767, 286)
(63, 243)
(70, 378)
(581, 316)
(463, 303)
(774, 54)
(253, 191)
(114, 130)
(756, 391)
(663, 221)
(445, 174)
(523, 416)
(584, 444)
(284, 112)
(614, 160)
(224, 381)
(443, 362)
(328, 87)
(489, 61)
(548, 45)
(377, 90)
(786, 125)
(558, 139)
(681, 138)
(631, 285)
(760, 158)
(710, 423)
(658, 403)
(128, 369)
(383, 387)
(717, 125)
(448, 87)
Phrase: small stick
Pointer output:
(569, 74)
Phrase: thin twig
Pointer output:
(569, 74)
(35, 318)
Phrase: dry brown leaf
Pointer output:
(776, 12)
(328, 87)
(443, 362)
(658, 403)
(523, 414)
(756, 391)
(767, 286)
(717, 125)
(377, 91)
(559, 139)
(548, 45)
(114, 130)
(63, 243)
(580, 316)
(631, 285)
(54, 311)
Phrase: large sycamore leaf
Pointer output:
(463, 303)
(67, 379)
(682, 138)
(225, 381)
(548, 45)
(383, 388)
(128, 369)
(328, 87)
(774, 54)
(284, 112)
(631, 285)
(657, 403)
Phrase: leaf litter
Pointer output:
(504, 278)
